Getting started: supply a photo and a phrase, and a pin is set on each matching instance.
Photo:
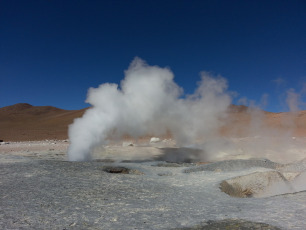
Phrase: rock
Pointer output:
(121, 170)
(258, 184)
(126, 144)
(165, 174)
(154, 140)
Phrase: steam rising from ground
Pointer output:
(149, 102)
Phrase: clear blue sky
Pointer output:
(53, 51)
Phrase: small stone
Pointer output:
(126, 144)
(154, 140)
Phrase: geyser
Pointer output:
(149, 102)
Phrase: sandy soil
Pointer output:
(48, 149)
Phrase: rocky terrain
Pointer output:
(141, 186)
(251, 182)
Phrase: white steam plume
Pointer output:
(148, 102)
(293, 100)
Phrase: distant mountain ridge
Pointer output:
(25, 122)
(26, 106)
(22, 122)
(16, 107)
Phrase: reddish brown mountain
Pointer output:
(21, 122)
(244, 121)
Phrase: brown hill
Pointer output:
(22, 122)
(244, 121)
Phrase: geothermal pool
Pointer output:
(143, 185)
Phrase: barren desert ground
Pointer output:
(251, 182)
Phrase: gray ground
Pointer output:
(51, 193)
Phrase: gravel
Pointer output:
(235, 165)
(44, 191)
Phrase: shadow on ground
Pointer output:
(230, 224)
(181, 155)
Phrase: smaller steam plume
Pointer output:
(149, 102)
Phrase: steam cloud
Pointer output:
(149, 102)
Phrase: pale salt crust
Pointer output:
(40, 189)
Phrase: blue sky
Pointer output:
(53, 51)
